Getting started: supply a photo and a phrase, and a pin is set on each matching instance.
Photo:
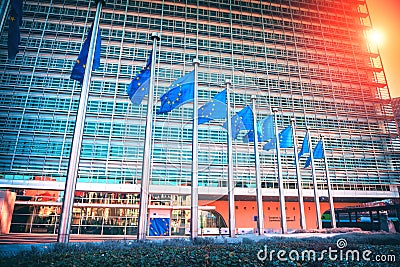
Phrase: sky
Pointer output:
(385, 17)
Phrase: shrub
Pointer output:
(200, 252)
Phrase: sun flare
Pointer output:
(376, 37)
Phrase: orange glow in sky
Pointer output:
(375, 37)
(385, 17)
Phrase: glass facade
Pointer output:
(308, 58)
(396, 110)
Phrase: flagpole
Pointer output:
(298, 176)
(5, 4)
(280, 179)
(231, 185)
(260, 209)
(314, 179)
(328, 184)
(194, 209)
(73, 165)
(146, 167)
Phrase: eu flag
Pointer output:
(243, 120)
(285, 139)
(139, 86)
(78, 72)
(215, 109)
(13, 28)
(318, 153)
(304, 147)
(159, 227)
(265, 131)
(180, 92)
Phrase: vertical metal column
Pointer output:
(146, 167)
(315, 184)
(231, 185)
(280, 178)
(298, 176)
(73, 165)
(194, 209)
(328, 184)
(260, 209)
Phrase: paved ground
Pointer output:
(12, 243)
(21, 238)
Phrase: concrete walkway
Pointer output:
(11, 244)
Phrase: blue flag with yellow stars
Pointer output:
(15, 22)
(318, 153)
(78, 72)
(285, 139)
(243, 120)
(265, 131)
(159, 227)
(139, 86)
(215, 109)
(180, 92)
(304, 147)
